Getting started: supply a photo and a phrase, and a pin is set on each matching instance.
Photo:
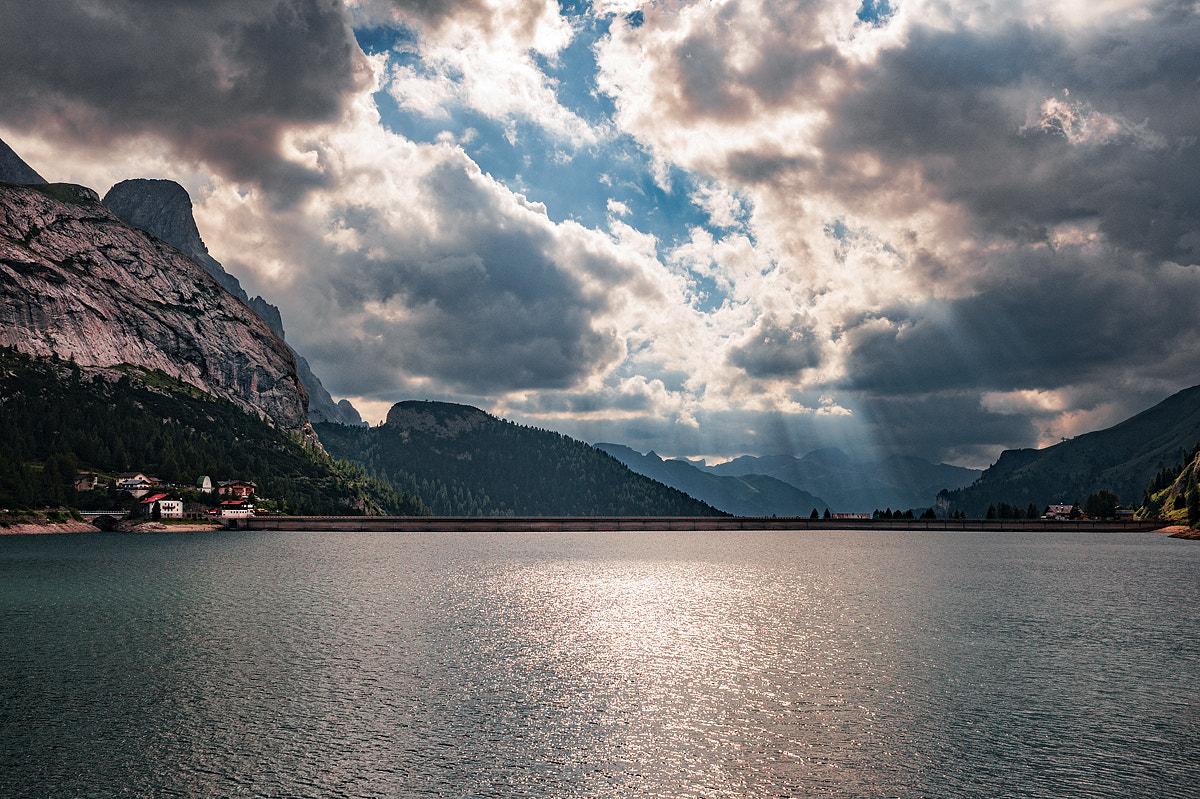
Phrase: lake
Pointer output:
(789, 664)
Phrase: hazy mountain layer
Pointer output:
(850, 486)
(743, 495)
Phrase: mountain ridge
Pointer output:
(13, 168)
(742, 495)
(462, 461)
(1122, 458)
(898, 482)
(163, 208)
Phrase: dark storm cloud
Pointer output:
(943, 427)
(776, 350)
(495, 300)
(1053, 319)
(959, 102)
(220, 79)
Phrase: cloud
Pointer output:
(416, 263)
(776, 348)
(938, 226)
(1058, 319)
(220, 80)
(946, 199)
(484, 58)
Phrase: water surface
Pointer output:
(857, 664)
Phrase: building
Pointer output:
(204, 485)
(236, 488)
(136, 483)
(86, 481)
(167, 508)
(1058, 512)
(235, 509)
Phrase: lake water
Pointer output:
(807, 664)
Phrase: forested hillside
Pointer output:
(57, 418)
(464, 462)
(1121, 459)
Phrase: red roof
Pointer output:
(153, 498)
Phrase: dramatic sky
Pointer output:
(705, 228)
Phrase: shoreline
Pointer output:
(600, 524)
(51, 528)
(671, 523)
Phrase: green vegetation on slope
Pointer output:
(1174, 493)
(463, 462)
(57, 419)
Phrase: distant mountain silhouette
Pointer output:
(898, 482)
(741, 495)
(1121, 459)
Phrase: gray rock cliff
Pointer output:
(78, 283)
(163, 208)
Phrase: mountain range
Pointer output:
(786, 485)
(741, 495)
(125, 288)
(464, 462)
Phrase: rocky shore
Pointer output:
(34, 528)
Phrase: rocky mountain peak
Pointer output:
(160, 207)
(15, 170)
(440, 419)
(163, 208)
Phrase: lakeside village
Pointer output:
(237, 499)
(226, 499)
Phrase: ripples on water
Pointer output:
(599, 665)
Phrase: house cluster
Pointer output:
(1066, 512)
(1058, 512)
(155, 502)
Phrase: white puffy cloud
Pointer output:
(483, 57)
